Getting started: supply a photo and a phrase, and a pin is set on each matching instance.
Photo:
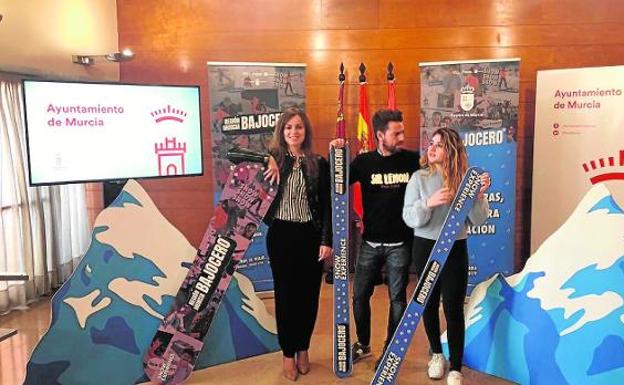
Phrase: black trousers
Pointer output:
(452, 284)
(293, 252)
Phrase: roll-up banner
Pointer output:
(479, 99)
(246, 100)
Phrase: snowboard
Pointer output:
(176, 345)
(388, 369)
(339, 165)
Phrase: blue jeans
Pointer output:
(369, 263)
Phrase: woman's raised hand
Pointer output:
(440, 197)
(272, 172)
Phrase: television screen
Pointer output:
(79, 132)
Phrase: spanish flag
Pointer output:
(391, 95)
(367, 143)
(391, 87)
(364, 130)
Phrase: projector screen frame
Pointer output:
(112, 180)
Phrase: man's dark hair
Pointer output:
(383, 117)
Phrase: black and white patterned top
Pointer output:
(294, 206)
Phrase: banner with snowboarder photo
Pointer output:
(479, 99)
(245, 102)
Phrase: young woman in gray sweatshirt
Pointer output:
(427, 202)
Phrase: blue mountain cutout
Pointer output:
(85, 276)
(608, 356)
(108, 254)
(116, 333)
(537, 329)
(124, 198)
(607, 203)
(116, 336)
(245, 342)
(48, 373)
(602, 280)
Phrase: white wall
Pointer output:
(40, 36)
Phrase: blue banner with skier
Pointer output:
(480, 100)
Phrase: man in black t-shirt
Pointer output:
(383, 175)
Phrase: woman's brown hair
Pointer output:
(279, 147)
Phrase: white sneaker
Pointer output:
(454, 378)
(436, 366)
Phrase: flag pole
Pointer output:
(391, 87)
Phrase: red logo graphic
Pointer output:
(170, 157)
(168, 113)
(605, 163)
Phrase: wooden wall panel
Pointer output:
(340, 39)
(189, 65)
(95, 200)
(174, 40)
(453, 13)
(350, 14)
(152, 16)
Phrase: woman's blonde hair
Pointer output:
(455, 165)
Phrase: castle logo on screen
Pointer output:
(170, 156)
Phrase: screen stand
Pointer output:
(111, 189)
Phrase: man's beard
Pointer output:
(391, 149)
